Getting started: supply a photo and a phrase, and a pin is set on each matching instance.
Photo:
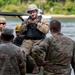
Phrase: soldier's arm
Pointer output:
(39, 52)
(43, 26)
(22, 62)
(73, 58)
(31, 65)
(23, 27)
(43, 46)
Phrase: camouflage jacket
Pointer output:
(59, 53)
(41, 25)
(12, 60)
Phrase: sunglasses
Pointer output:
(3, 23)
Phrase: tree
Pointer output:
(22, 1)
(72, 0)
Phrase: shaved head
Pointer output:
(55, 25)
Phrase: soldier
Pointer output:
(18, 39)
(12, 59)
(60, 52)
(34, 29)
(2, 24)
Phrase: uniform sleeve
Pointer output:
(39, 52)
(30, 64)
(43, 26)
(73, 58)
(43, 46)
(22, 62)
(23, 27)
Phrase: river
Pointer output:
(68, 26)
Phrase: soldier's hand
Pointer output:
(35, 70)
(39, 25)
(19, 35)
(45, 62)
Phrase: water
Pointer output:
(12, 22)
(68, 26)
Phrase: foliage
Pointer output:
(58, 8)
(50, 6)
(69, 7)
(6, 2)
(46, 8)
(11, 8)
(23, 8)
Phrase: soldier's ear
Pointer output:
(12, 37)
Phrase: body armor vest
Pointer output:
(32, 31)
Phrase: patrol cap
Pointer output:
(7, 31)
(32, 7)
(2, 20)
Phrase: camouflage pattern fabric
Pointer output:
(12, 60)
(27, 47)
(30, 64)
(42, 26)
(59, 52)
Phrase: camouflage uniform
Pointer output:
(2, 25)
(28, 44)
(12, 59)
(59, 52)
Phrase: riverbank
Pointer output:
(61, 16)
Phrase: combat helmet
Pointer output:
(32, 7)
(2, 20)
(17, 28)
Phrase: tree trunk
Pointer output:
(72, 0)
(22, 1)
(63, 1)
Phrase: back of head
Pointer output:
(32, 7)
(7, 31)
(55, 25)
(7, 34)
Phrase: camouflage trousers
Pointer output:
(47, 73)
(27, 45)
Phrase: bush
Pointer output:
(23, 7)
(15, 8)
(11, 8)
(58, 8)
(69, 7)
(47, 8)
